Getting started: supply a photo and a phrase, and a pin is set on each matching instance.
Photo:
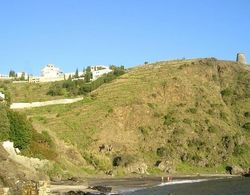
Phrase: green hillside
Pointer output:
(183, 116)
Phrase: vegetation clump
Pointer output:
(81, 87)
(246, 126)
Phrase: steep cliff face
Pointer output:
(176, 116)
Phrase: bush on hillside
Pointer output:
(82, 87)
(20, 130)
(4, 123)
(169, 119)
(192, 110)
(247, 114)
(42, 146)
(122, 160)
(226, 92)
(246, 126)
(117, 161)
(56, 90)
(163, 151)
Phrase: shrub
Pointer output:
(240, 149)
(215, 78)
(210, 112)
(192, 110)
(187, 121)
(246, 126)
(223, 115)
(226, 92)
(169, 119)
(20, 130)
(122, 160)
(183, 66)
(247, 114)
(162, 151)
(56, 90)
(117, 161)
(110, 110)
(4, 124)
(151, 105)
(211, 129)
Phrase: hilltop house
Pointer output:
(72, 74)
(5, 77)
(98, 71)
(49, 73)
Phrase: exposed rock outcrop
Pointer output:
(138, 168)
(237, 170)
(13, 174)
(166, 166)
(30, 163)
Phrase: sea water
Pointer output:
(239, 185)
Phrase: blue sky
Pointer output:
(78, 33)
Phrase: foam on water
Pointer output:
(131, 190)
(182, 182)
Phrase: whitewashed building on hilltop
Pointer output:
(99, 70)
(5, 77)
(72, 74)
(50, 71)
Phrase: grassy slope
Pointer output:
(30, 92)
(175, 107)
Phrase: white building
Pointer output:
(98, 71)
(20, 74)
(2, 96)
(50, 71)
(72, 74)
(5, 77)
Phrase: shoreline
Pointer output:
(123, 184)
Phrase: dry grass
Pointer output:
(176, 105)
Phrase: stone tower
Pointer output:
(241, 58)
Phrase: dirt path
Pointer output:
(46, 103)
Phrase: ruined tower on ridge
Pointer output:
(241, 58)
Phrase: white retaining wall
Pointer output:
(31, 163)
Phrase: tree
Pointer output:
(88, 75)
(22, 76)
(118, 70)
(12, 73)
(88, 69)
(56, 89)
(77, 73)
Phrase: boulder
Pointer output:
(166, 166)
(138, 168)
(235, 170)
(105, 148)
(104, 189)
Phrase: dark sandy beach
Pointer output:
(128, 184)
